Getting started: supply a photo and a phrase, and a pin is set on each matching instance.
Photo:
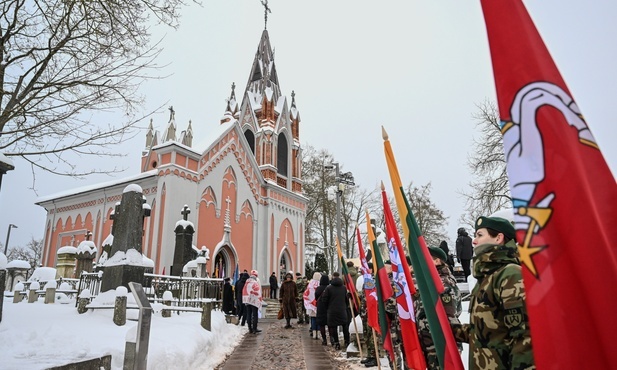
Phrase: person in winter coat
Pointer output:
(498, 329)
(449, 260)
(464, 251)
(251, 297)
(238, 290)
(274, 285)
(321, 317)
(228, 297)
(310, 303)
(289, 292)
(335, 299)
(353, 272)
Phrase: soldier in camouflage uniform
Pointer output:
(301, 284)
(451, 300)
(391, 307)
(367, 332)
(498, 332)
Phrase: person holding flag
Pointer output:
(498, 331)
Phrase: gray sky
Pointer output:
(417, 67)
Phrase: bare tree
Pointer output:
(61, 62)
(489, 191)
(31, 253)
(431, 220)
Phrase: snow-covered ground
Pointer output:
(38, 336)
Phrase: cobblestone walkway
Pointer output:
(282, 349)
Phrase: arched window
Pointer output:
(281, 162)
(250, 137)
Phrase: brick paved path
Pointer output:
(279, 348)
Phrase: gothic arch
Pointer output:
(229, 177)
(224, 260)
(208, 197)
(250, 137)
(282, 154)
(247, 210)
(285, 263)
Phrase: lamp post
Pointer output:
(341, 180)
(8, 235)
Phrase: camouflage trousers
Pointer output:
(368, 339)
(428, 347)
(301, 312)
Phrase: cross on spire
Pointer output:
(185, 212)
(266, 11)
(88, 235)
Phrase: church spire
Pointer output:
(170, 134)
(263, 79)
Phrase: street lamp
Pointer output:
(341, 179)
(8, 235)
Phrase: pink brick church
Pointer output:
(244, 189)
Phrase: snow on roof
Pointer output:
(213, 135)
(67, 249)
(134, 188)
(100, 185)
(5, 159)
(43, 274)
(18, 264)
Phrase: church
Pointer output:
(243, 191)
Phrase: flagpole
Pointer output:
(376, 349)
(355, 327)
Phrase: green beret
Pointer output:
(438, 252)
(496, 223)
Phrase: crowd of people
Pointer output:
(498, 331)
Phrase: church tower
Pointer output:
(269, 125)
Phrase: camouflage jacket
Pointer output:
(450, 298)
(498, 332)
(301, 284)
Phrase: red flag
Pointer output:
(564, 198)
(348, 280)
(429, 282)
(369, 286)
(402, 279)
(383, 290)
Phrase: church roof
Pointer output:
(85, 189)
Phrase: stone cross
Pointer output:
(128, 220)
(185, 213)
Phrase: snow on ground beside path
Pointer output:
(38, 336)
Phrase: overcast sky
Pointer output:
(417, 67)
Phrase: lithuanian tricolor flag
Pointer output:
(429, 283)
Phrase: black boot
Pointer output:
(371, 362)
(337, 346)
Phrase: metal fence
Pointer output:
(187, 291)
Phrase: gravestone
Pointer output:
(125, 262)
(86, 252)
(184, 251)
